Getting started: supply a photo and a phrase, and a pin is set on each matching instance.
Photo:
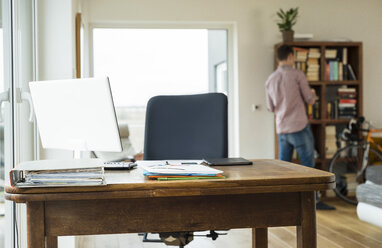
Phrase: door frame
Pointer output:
(10, 207)
(233, 89)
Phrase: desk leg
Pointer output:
(51, 242)
(35, 225)
(259, 237)
(306, 232)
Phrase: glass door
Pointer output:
(16, 128)
(7, 236)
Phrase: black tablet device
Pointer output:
(227, 161)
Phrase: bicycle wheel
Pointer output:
(346, 164)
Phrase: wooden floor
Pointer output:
(339, 228)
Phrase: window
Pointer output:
(142, 63)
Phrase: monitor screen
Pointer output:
(76, 114)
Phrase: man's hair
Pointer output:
(283, 52)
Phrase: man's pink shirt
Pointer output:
(288, 91)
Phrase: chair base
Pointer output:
(146, 239)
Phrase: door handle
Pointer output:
(25, 96)
(4, 97)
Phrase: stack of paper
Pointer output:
(179, 170)
(54, 173)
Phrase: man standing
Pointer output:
(287, 92)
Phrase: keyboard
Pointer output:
(119, 165)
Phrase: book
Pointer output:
(331, 53)
(316, 110)
(310, 112)
(347, 94)
(345, 56)
(346, 89)
(335, 112)
(334, 70)
(329, 109)
(351, 73)
(176, 176)
(312, 77)
(312, 61)
(327, 71)
(314, 53)
(303, 66)
(346, 116)
(330, 141)
(346, 105)
(345, 72)
(354, 101)
(347, 112)
(340, 71)
(165, 178)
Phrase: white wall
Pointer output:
(55, 49)
(256, 35)
(55, 39)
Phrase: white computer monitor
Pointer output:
(76, 114)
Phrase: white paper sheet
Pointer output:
(177, 167)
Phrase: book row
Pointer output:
(307, 60)
(336, 65)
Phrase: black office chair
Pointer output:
(186, 127)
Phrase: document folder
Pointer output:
(49, 173)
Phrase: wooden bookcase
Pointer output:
(325, 88)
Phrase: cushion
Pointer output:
(369, 213)
(370, 193)
(374, 174)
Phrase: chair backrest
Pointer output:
(186, 127)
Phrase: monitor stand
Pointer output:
(85, 161)
(78, 145)
(81, 146)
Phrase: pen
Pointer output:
(164, 167)
(189, 163)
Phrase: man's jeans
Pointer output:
(302, 141)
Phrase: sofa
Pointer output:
(369, 196)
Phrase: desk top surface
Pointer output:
(264, 176)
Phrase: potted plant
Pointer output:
(287, 21)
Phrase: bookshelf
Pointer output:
(332, 84)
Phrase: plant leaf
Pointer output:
(288, 18)
(294, 16)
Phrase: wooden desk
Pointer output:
(266, 194)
